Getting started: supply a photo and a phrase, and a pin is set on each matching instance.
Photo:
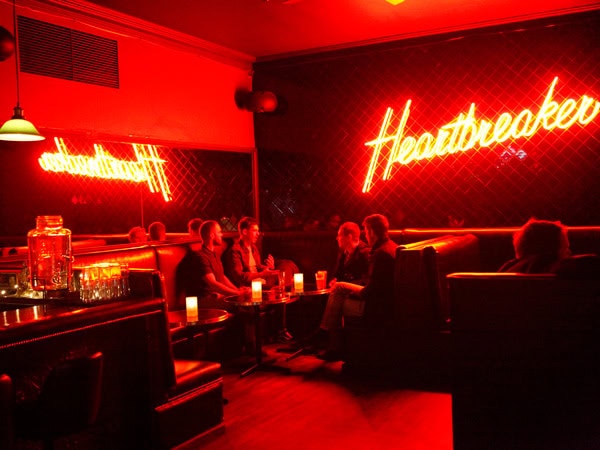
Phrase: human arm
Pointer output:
(236, 266)
(269, 262)
(225, 288)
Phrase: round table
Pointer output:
(269, 298)
(182, 330)
(206, 316)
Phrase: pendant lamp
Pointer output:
(17, 128)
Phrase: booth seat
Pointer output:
(496, 243)
(526, 353)
(417, 333)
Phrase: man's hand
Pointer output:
(244, 290)
(270, 262)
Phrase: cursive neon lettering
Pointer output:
(586, 102)
(466, 132)
(148, 166)
(521, 126)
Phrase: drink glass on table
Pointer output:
(321, 279)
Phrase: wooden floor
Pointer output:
(319, 406)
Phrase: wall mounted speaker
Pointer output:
(256, 101)
(7, 44)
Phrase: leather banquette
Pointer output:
(163, 256)
(526, 355)
(416, 333)
(496, 243)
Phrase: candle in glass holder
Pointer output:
(191, 309)
(257, 289)
(298, 282)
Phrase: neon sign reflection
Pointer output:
(466, 132)
(147, 167)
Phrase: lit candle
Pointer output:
(256, 289)
(298, 282)
(191, 309)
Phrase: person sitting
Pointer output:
(333, 222)
(242, 261)
(200, 273)
(157, 231)
(353, 258)
(137, 234)
(193, 227)
(373, 300)
(540, 245)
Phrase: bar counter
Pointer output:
(31, 320)
(134, 339)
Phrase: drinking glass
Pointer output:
(321, 279)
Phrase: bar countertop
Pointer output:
(31, 321)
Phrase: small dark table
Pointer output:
(269, 298)
(182, 330)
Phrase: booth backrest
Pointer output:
(168, 258)
(526, 358)
(163, 256)
(310, 251)
(522, 321)
(496, 245)
(135, 256)
(420, 279)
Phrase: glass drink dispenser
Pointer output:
(49, 255)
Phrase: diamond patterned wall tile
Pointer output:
(313, 160)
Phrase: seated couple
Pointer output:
(363, 283)
(201, 273)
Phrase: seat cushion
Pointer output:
(191, 374)
(194, 407)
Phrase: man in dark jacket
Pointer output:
(372, 301)
(242, 261)
(353, 258)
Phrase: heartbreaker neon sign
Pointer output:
(148, 166)
(466, 132)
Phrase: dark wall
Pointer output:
(313, 160)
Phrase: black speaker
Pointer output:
(257, 101)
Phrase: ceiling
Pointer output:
(268, 29)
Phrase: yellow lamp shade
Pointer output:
(19, 129)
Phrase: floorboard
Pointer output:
(319, 406)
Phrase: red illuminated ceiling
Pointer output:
(265, 28)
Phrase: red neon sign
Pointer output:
(147, 167)
(466, 132)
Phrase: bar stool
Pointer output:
(68, 403)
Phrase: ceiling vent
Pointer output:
(59, 52)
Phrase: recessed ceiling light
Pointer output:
(394, 2)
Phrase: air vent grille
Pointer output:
(59, 52)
